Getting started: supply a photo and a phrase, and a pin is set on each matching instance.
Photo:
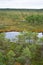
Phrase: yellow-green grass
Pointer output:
(15, 20)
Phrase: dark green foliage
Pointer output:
(25, 49)
(35, 19)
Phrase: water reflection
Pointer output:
(11, 35)
(40, 35)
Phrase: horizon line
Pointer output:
(21, 8)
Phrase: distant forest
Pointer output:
(21, 9)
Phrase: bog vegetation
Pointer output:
(25, 49)
(20, 20)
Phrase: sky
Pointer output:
(33, 4)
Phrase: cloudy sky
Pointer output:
(21, 4)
